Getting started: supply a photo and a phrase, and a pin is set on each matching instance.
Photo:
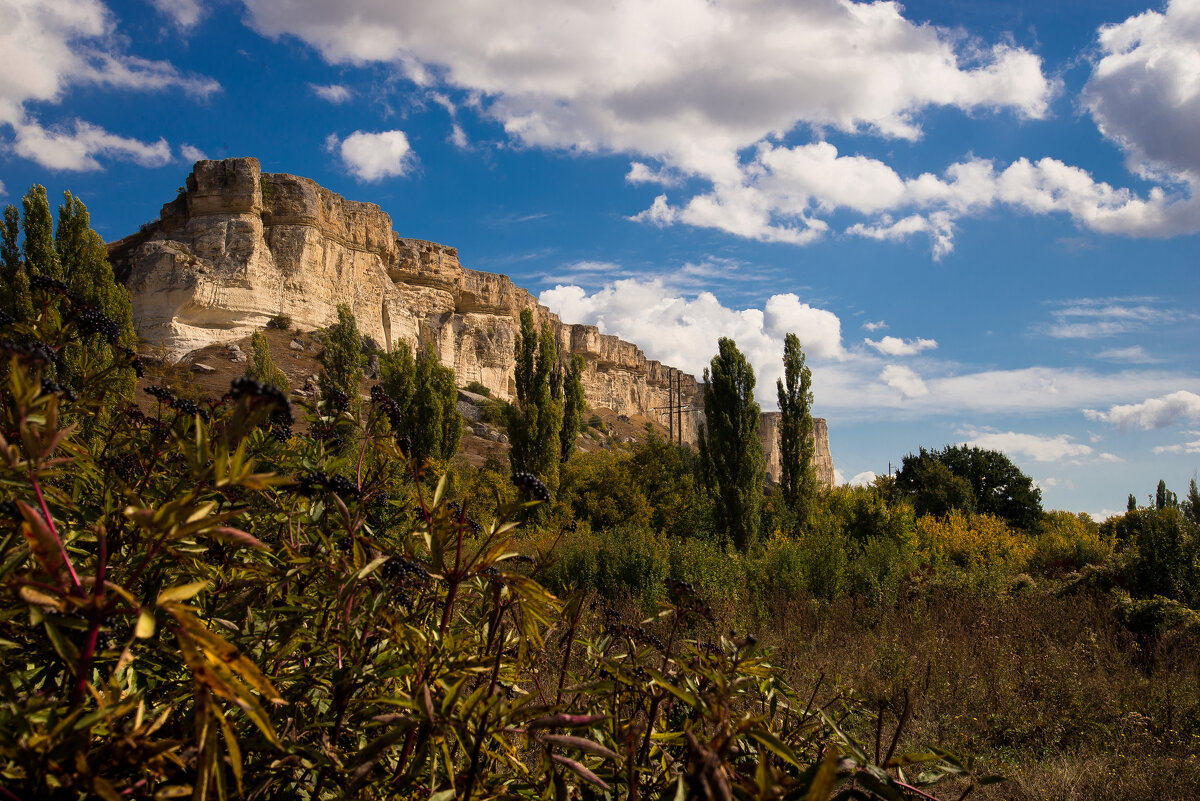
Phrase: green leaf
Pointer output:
(183, 592)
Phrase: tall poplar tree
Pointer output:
(731, 453)
(797, 446)
(262, 366)
(574, 405)
(74, 254)
(535, 420)
(342, 360)
(427, 397)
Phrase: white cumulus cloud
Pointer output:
(1144, 94)
(50, 46)
(374, 156)
(714, 99)
(894, 346)
(904, 380)
(682, 331)
(78, 147)
(863, 479)
(1169, 410)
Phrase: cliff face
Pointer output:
(768, 432)
(239, 246)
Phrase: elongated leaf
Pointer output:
(224, 652)
(564, 721)
(181, 593)
(235, 536)
(43, 543)
(776, 746)
(579, 744)
(580, 771)
(822, 783)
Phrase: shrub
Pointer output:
(479, 389)
(280, 322)
(1067, 542)
(970, 543)
(262, 367)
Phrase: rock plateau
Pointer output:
(239, 247)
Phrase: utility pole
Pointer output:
(679, 394)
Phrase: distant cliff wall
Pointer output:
(238, 247)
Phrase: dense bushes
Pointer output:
(198, 604)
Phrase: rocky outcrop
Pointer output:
(768, 431)
(239, 247)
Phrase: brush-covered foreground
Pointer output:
(197, 604)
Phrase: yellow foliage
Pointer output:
(1069, 541)
(971, 542)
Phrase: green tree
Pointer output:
(1131, 503)
(1191, 504)
(997, 486)
(99, 307)
(342, 361)
(731, 452)
(435, 425)
(574, 405)
(397, 374)
(798, 479)
(932, 487)
(262, 366)
(16, 300)
(535, 420)
(1164, 498)
(40, 256)
(427, 396)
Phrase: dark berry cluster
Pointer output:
(404, 444)
(687, 599)
(458, 513)
(163, 394)
(406, 578)
(309, 484)
(273, 398)
(49, 284)
(33, 354)
(9, 511)
(93, 321)
(388, 406)
(638, 634)
(6, 318)
(338, 401)
(181, 405)
(124, 464)
(52, 387)
(531, 487)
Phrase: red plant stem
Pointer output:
(909, 788)
(93, 635)
(62, 549)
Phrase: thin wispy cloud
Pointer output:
(1095, 318)
(335, 93)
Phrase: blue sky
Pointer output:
(980, 217)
